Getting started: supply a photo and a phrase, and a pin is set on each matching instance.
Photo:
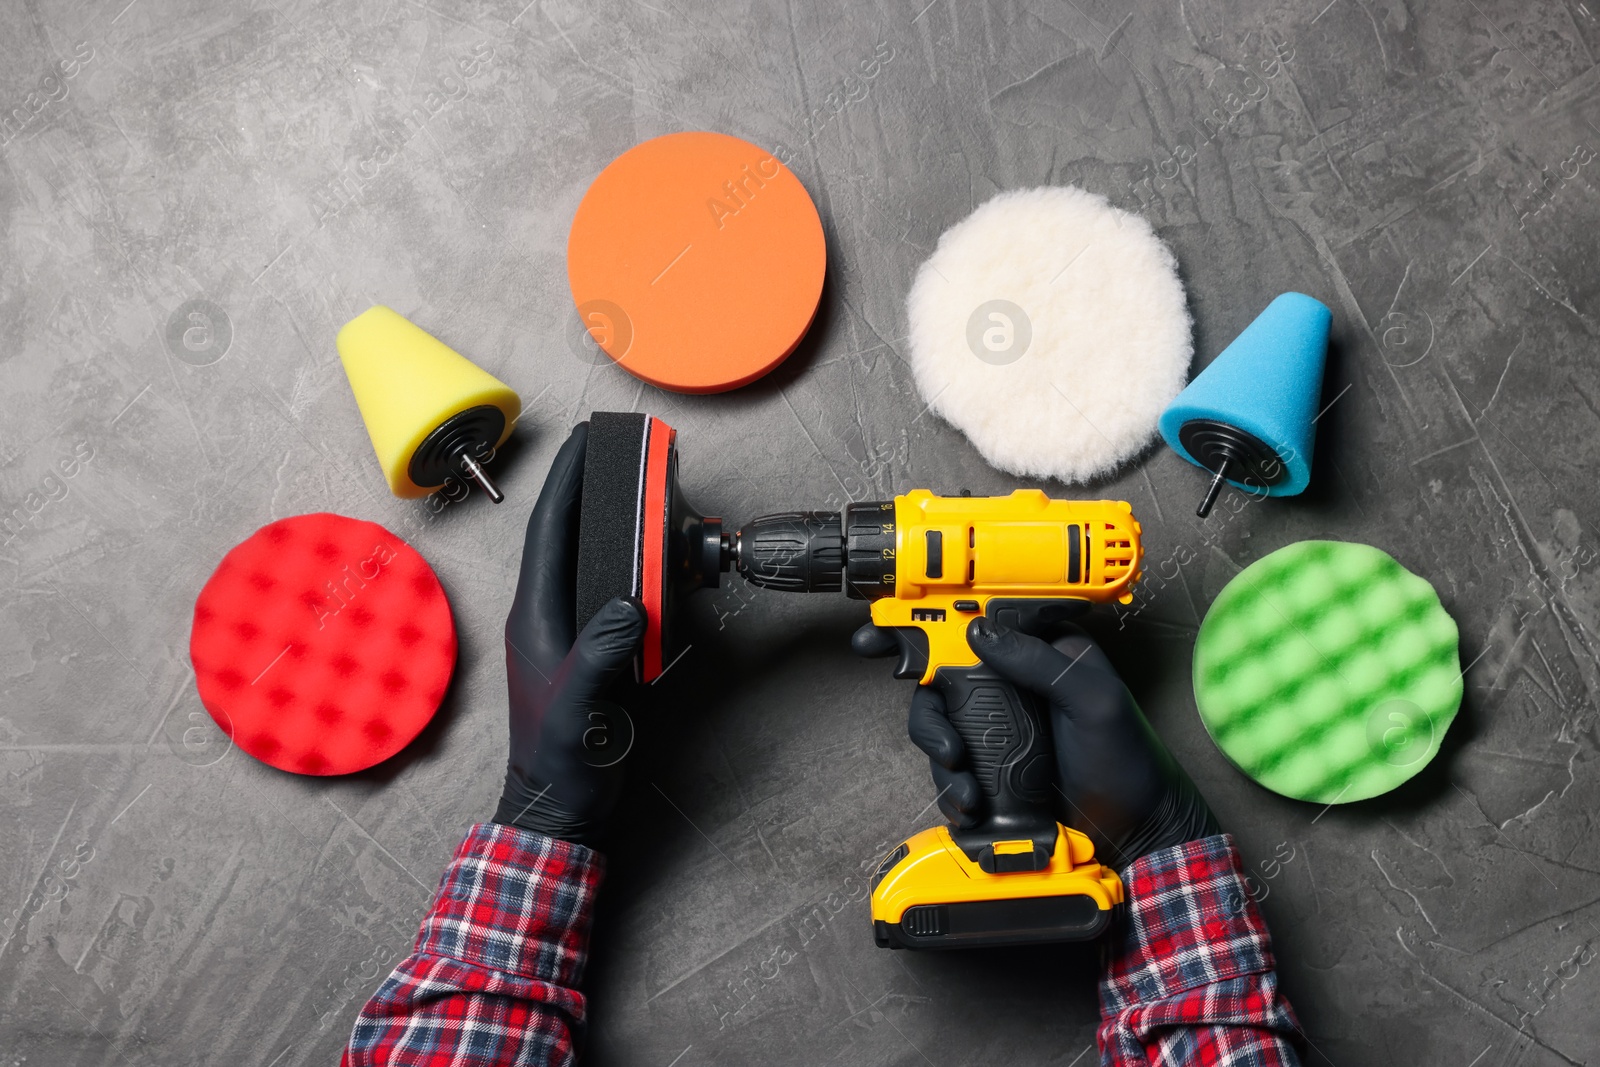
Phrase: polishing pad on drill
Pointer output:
(1248, 418)
(322, 644)
(1327, 672)
(696, 261)
(433, 415)
(1051, 328)
(637, 536)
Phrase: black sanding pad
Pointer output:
(623, 523)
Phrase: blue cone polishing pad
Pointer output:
(1249, 414)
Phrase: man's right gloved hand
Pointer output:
(568, 739)
(1116, 781)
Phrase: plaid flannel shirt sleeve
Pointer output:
(493, 976)
(1191, 978)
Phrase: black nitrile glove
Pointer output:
(1116, 781)
(567, 742)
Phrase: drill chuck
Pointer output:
(797, 551)
(818, 551)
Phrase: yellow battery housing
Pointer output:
(928, 894)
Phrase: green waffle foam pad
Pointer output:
(1327, 672)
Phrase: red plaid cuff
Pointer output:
(1191, 978)
(493, 976)
(515, 902)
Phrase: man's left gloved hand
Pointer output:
(567, 740)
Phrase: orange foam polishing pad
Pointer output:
(322, 644)
(696, 261)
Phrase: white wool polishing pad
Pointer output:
(1051, 329)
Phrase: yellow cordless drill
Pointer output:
(929, 565)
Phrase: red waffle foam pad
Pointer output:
(322, 644)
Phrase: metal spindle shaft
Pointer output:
(479, 475)
(1216, 487)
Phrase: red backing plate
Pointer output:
(653, 542)
(322, 644)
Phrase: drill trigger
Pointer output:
(913, 652)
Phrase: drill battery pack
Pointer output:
(928, 893)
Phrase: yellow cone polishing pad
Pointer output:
(433, 415)
(1328, 672)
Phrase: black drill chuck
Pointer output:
(817, 551)
(798, 551)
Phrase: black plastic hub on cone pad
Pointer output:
(471, 433)
(1250, 461)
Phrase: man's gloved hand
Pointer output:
(1116, 781)
(567, 741)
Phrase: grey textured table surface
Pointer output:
(1424, 168)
